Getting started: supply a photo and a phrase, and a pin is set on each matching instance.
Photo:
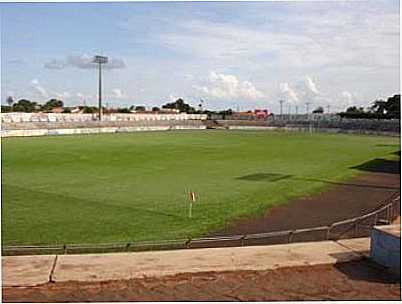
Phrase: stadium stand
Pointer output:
(38, 124)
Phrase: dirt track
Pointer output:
(359, 280)
(358, 196)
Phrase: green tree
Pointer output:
(319, 110)
(354, 109)
(123, 110)
(390, 108)
(5, 109)
(140, 108)
(10, 100)
(89, 110)
(394, 106)
(155, 109)
(51, 104)
(180, 105)
(24, 105)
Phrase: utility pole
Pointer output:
(281, 103)
(307, 107)
(100, 60)
(328, 107)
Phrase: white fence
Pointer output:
(17, 117)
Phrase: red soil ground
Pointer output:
(359, 280)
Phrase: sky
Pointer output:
(239, 55)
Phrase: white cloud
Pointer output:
(288, 91)
(55, 64)
(118, 93)
(38, 89)
(225, 86)
(347, 97)
(311, 86)
(172, 98)
(83, 61)
(64, 95)
(346, 39)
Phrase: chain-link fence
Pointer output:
(321, 124)
(355, 227)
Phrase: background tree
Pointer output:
(89, 110)
(123, 110)
(24, 105)
(180, 105)
(52, 104)
(5, 109)
(394, 106)
(155, 109)
(391, 108)
(140, 108)
(379, 106)
(354, 109)
(319, 110)
(10, 100)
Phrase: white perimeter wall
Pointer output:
(67, 117)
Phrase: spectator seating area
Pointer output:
(38, 124)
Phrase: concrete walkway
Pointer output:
(24, 271)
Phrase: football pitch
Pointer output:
(132, 186)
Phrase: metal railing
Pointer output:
(355, 227)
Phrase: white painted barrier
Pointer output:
(68, 117)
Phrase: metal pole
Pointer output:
(100, 91)
(356, 229)
(328, 232)
(290, 237)
(307, 107)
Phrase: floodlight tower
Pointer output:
(100, 60)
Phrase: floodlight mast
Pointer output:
(100, 60)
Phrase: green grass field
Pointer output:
(119, 187)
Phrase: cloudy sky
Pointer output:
(235, 54)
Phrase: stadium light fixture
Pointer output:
(100, 60)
